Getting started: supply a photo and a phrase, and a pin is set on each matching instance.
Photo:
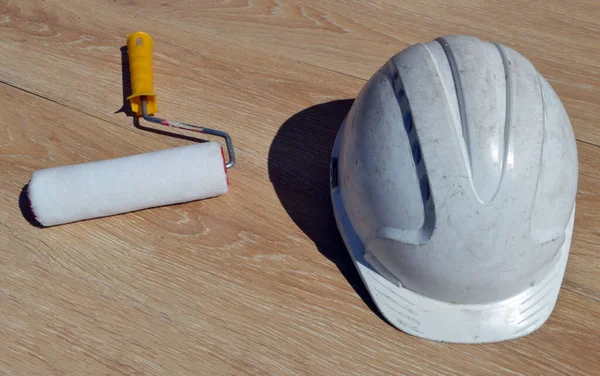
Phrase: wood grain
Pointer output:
(256, 281)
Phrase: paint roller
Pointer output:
(97, 189)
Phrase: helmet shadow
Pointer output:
(299, 159)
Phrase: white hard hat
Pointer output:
(453, 181)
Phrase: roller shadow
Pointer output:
(299, 171)
(126, 106)
(25, 206)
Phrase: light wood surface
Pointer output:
(256, 281)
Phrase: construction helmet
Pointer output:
(453, 181)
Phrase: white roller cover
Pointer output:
(97, 189)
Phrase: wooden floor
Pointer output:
(256, 281)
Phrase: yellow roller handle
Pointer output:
(139, 47)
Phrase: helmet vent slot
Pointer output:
(413, 138)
